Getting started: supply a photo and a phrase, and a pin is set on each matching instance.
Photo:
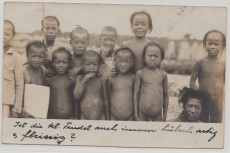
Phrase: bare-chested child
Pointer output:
(90, 90)
(33, 72)
(151, 86)
(61, 105)
(210, 72)
(121, 87)
(141, 23)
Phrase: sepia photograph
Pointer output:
(118, 68)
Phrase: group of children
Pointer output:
(105, 84)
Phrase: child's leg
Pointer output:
(112, 118)
(142, 117)
(157, 118)
(5, 111)
(131, 118)
(82, 116)
(102, 117)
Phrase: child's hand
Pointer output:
(73, 73)
(88, 76)
(163, 119)
(104, 51)
(14, 114)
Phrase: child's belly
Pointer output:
(121, 105)
(92, 108)
(151, 104)
(61, 104)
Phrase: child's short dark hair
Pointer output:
(124, 48)
(36, 43)
(8, 21)
(188, 93)
(147, 14)
(92, 53)
(153, 44)
(62, 50)
(51, 17)
(79, 29)
(109, 28)
(213, 31)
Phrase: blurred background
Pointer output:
(179, 29)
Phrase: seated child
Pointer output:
(151, 86)
(12, 76)
(210, 72)
(61, 104)
(33, 72)
(194, 103)
(120, 87)
(79, 41)
(90, 90)
(108, 40)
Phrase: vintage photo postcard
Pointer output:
(114, 75)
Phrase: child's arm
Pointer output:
(165, 98)
(19, 87)
(73, 73)
(105, 100)
(108, 93)
(80, 83)
(137, 85)
(194, 75)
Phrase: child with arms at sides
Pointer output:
(210, 72)
(61, 105)
(120, 87)
(141, 23)
(12, 75)
(151, 86)
(33, 72)
(90, 90)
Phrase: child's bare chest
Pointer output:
(37, 78)
(60, 83)
(211, 69)
(94, 86)
(123, 84)
(151, 78)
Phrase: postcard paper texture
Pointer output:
(114, 75)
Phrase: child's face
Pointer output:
(214, 44)
(140, 25)
(79, 42)
(153, 56)
(108, 40)
(50, 29)
(35, 56)
(124, 61)
(192, 109)
(61, 63)
(8, 34)
(90, 64)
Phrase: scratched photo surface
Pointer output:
(67, 66)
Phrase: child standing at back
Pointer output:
(108, 39)
(79, 41)
(120, 87)
(12, 75)
(151, 86)
(141, 23)
(61, 105)
(210, 72)
(90, 90)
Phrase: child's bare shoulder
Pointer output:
(127, 43)
(163, 73)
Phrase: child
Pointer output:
(50, 28)
(141, 23)
(33, 72)
(79, 41)
(108, 39)
(194, 104)
(210, 72)
(61, 104)
(120, 87)
(151, 86)
(12, 75)
(90, 90)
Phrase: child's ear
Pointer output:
(70, 42)
(133, 62)
(42, 29)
